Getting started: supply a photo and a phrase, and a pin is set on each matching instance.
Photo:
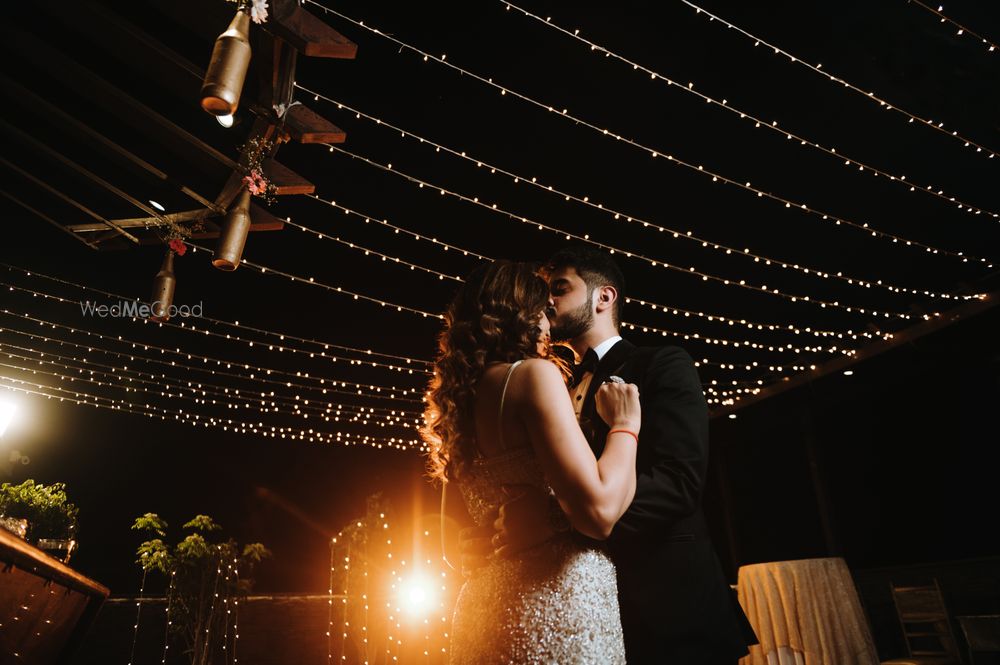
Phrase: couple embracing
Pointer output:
(585, 482)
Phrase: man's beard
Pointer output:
(573, 324)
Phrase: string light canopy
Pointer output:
(787, 202)
(282, 337)
(370, 390)
(856, 164)
(801, 329)
(585, 238)
(617, 215)
(196, 420)
(818, 69)
(819, 336)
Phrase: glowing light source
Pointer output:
(157, 205)
(225, 120)
(7, 409)
(415, 595)
(848, 372)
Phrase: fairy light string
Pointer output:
(616, 214)
(329, 611)
(636, 327)
(788, 327)
(961, 29)
(357, 415)
(169, 622)
(866, 228)
(367, 251)
(134, 357)
(231, 324)
(192, 386)
(190, 327)
(719, 341)
(400, 230)
(225, 604)
(138, 608)
(861, 166)
(911, 117)
(236, 611)
(689, 336)
(196, 420)
(695, 336)
(392, 392)
(333, 289)
(541, 226)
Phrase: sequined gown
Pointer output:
(556, 604)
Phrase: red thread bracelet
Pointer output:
(634, 435)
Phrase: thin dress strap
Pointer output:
(503, 395)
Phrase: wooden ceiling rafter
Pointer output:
(71, 201)
(41, 215)
(289, 31)
(69, 122)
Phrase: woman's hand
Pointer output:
(618, 405)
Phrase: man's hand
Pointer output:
(523, 521)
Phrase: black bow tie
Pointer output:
(588, 364)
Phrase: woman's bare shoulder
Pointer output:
(540, 376)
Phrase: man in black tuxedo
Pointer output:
(676, 606)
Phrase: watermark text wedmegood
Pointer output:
(131, 309)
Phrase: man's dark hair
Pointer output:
(595, 267)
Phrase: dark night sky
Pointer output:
(292, 495)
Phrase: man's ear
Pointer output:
(607, 296)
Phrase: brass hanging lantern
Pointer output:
(234, 233)
(220, 92)
(163, 289)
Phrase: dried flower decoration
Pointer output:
(177, 246)
(257, 8)
(255, 150)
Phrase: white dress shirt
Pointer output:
(580, 389)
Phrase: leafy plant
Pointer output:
(46, 507)
(205, 575)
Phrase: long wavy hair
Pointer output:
(493, 318)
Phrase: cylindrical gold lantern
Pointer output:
(163, 289)
(234, 233)
(220, 92)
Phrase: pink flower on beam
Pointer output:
(177, 246)
(255, 182)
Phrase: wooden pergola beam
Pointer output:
(73, 202)
(147, 222)
(286, 181)
(306, 126)
(307, 33)
(122, 105)
(66, 120)
(261, 220)
(51, 221)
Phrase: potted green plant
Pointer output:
(205, 573)
(51, 518)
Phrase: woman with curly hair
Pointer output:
(499, 414)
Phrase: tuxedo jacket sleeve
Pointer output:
(673, 444)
